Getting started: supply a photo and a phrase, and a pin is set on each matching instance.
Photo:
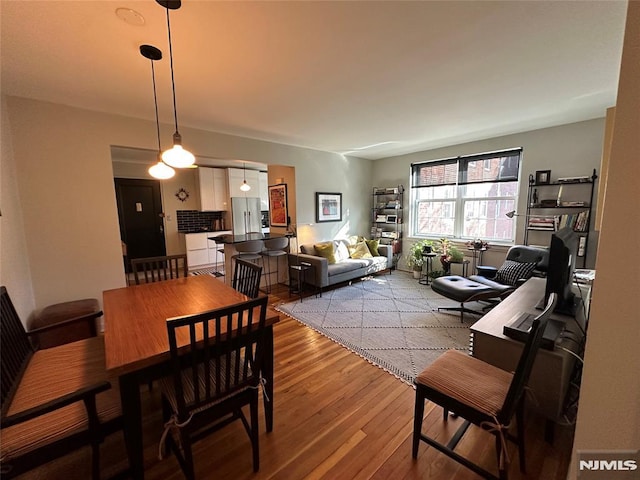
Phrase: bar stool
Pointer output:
(273, 248)
(249, 251)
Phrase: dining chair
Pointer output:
(54, 401)
(213, 376)
(483, 395)
(246, 278)
(156, 269)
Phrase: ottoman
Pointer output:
(462, 290)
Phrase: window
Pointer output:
(466, 197)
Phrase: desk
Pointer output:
(552, 370)
(137, 345)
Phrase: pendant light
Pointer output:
(160, 170)
(177, 156)
(245, 187)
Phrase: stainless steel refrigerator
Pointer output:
(246, 215)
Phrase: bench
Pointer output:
(54, 400)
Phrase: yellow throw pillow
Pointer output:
(325, 250)
(361, 251)
(373, 247)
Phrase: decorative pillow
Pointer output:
(360, 251)
(510, 272)
(373, 247)
(325, 250)
(340, 251)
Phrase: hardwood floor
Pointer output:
(336, 417)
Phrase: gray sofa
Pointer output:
(324, 274)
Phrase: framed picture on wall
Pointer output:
(278, 212)
(543, 177)
(328, 207)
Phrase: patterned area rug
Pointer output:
(207, 271)
(386, 319)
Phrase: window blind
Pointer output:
(501, 166)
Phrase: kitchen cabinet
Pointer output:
(202, 252)
(263, 187)
(197, 250)
(213, 189)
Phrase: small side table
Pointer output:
(298, 277)
(477, 256)
(428, 263)
(465, 267)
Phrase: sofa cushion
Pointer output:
(325, 249)
(345, 266)
(373, 247)
(360, 250)
(340, 251)
(510, 272)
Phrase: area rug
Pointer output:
(387, 319)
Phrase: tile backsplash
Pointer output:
(190, 221)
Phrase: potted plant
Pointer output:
(449, 253)
(414, 258)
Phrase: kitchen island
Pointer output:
(230, 241)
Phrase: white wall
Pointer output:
(64, 177)
(609, 410)
(566, 150)
(14, 264)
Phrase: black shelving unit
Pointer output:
(547, 211)
(387, 218)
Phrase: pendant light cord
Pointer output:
(155, 101)
(173, 84)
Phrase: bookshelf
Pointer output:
(387, 218)
(562, 203)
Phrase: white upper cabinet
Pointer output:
(213, 189)
(263, 185)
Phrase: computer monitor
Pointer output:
(562, 261)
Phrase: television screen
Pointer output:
(562, 261)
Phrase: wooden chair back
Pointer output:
(246, 278)
(223, 354)
(157, 269)
(525, 364)
(16, 349)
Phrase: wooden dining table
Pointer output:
(137, 345)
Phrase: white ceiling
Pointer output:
(334, 76)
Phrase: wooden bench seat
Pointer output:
(54, 400)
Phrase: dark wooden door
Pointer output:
(141, 218)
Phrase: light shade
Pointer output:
(161, 170)
(511, 214)
(177, 156)
(245, 187)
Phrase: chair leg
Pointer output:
(520, 426)
(417, 422)
(255, 444)
(95, 461)
(185, 441)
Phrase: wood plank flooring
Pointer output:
(336, 417)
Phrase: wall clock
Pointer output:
(182, 195)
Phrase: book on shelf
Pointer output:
(577, 221)
(543, 223)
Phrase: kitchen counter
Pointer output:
(230, 241)
(201, 230)
(233, 239)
